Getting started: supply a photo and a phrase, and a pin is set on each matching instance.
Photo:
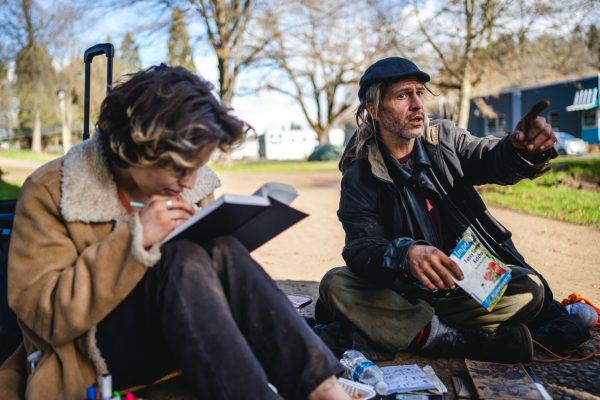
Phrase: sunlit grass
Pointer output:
(278, 167)
(28, 155)
(9, 190)
(547, 196)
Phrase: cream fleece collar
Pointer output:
(89, 192)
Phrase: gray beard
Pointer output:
(407, 135)
(394, 126)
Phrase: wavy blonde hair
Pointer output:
(164, 116)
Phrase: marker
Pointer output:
(136, 204)
(106, 387)
(90, 393)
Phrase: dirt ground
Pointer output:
(568, 255)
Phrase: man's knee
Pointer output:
(331, 281)
(527, 295)
(331, 291)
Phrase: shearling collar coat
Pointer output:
(75, 254)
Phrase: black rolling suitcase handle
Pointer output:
(109, 51)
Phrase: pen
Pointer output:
(136, 204)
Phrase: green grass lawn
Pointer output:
(550, 197)
(8, 190)
(278, 167)
(11, 181)
(28, 155)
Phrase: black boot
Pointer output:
(340, 336)
(337, 335)
(510, 343)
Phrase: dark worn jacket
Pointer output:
(381, 206)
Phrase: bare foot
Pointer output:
(329, 389)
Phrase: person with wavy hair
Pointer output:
(94, 291)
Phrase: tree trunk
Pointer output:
(323, 135)
(227, 96)
(465, 98)
(69, 123)
(226, 92)
(66, 128)
(36, 137)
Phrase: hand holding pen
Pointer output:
(160, 215)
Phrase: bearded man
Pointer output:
(407, 196)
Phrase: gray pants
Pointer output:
(392, 321)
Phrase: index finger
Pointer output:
(180, 203)
(535, 112)
(452, 266)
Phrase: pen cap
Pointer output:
(381, 388)
(34, 357)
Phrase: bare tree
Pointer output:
(226, 23)
(36, 43)
(478, 41)
(461, 46)
(67, 55)
(318, 52)
(226, 28)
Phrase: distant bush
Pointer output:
(326, 152)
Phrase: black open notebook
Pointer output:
(252, 219)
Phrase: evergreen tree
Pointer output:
(593, 43)
(180, 51)
(35, 83)
(129, 59)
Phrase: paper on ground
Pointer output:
(406, 378)
(439, 385)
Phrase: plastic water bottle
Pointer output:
(359, 369)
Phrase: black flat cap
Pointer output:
(390, 69)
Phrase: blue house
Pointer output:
(573, 108)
